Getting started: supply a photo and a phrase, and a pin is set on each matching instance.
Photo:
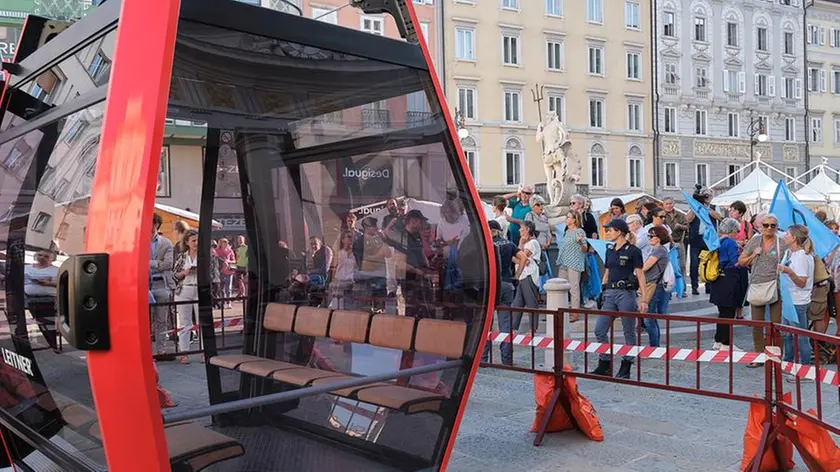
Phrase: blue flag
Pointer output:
(790, 211)
(710, 236)
(785, 287)
(679, 283)
(600, 247)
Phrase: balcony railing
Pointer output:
(372, 118)
(672, 90)
(418, 118)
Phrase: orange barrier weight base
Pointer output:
(578, 410)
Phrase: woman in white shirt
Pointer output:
(39, 286)
(344, 271)
(798, 268)
(186, 289)
(528, 274)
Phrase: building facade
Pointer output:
(728, 71)
(594, 64)
(823, 81)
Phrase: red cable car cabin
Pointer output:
(365, 364)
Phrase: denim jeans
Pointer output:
(804, 341)
(505, 299)
(658, 304)
(617, 300)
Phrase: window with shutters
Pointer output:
(734, 125)
(634, 167)
(789, 87)
(788, 41)
(732, 34)
(510, 50)
(510, 4)
(763, 85)
(513, 106)
(671, 76)
(513, 162)
(701, 174)
(596, 60)
(467, 102)
(835, 81)
(632, 16)
(701, 80)
(465, 43)
(556, 53)
(736, 173)
(733, 81)
(670, 120)
(700, 29)
(634, 66)
(597, 168)
(672, 175)
(762, 41)
(596, 113)
(816, 35)
(669, 24)
(557, 104)
(634, 116)
(836, 130)
(813, 79)
(834, 34)
(554, 7)
(700, 122)
(816, 129)
(595, 11)
(790, 129)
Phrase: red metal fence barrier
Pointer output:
(671, 353)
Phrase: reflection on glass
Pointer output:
(349, 174)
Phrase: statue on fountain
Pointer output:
(561, 165)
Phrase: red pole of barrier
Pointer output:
(797, 360)
(731, 329)
(667, 351)
(639, 343)
(817, 378)
(586, 343)
(612, 345)
(696, 361)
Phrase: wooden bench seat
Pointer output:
(428, 336)
(191, 447)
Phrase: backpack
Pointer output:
(709, 266)
(820, 272)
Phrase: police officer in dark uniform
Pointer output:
(622, 278)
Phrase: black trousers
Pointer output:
(722, 332)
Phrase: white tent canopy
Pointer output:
(821, 189)
(756, 188)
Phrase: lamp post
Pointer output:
(806, 5)
(461, 123)
(758, 133)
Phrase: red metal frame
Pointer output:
(491, 259)
(119, 224)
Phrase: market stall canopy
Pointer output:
(821, 189)
(755, 188)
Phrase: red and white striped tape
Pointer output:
(229, 323)
(646, 352)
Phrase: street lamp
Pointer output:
(461, 123)
(758, 133)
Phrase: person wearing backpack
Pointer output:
(730, 287)
(763, 255)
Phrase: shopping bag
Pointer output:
(752, 439)
(543, 391)
(816, 440)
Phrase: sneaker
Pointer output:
(790, 378)
(733, 348)
(716, 346)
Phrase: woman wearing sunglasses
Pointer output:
(762, 255)
(654, 268)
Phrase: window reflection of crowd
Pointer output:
(402, 262)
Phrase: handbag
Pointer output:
(765, 293)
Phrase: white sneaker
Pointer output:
(733, 348)
(716, 346)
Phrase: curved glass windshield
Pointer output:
(335, 190)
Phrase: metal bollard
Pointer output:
(556, 296)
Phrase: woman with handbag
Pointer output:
(763, 256)
(654, 268)
(528, 274)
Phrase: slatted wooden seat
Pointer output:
(430, 336)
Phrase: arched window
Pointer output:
(635, 167)
(513, 162)
(701, 24)
(789, 38)
(762, 33)
(471, 155)
(732, 29)
(597, 168)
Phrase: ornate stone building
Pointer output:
(727, 72)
